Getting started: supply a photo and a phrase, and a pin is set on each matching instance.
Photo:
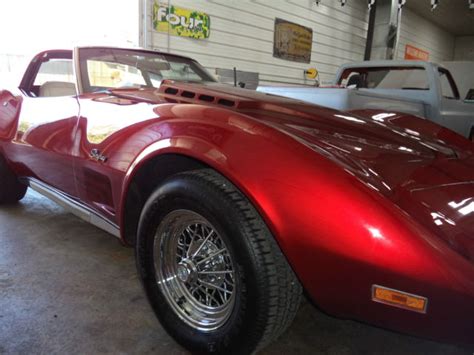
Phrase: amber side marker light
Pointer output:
(399, 299)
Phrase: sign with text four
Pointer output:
(181, 22)
(292, 41)
(413, 53)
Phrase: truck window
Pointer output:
(448, 90)
(401, 78)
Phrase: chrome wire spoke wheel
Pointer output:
(194, 270)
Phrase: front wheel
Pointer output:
(11, 190)
(212, 272)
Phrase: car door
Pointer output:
(106, 129)
(44, 139)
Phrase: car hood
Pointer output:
(428, 178)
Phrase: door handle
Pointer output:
(95, 154)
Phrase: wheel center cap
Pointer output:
(183, 273)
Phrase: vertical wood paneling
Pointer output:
(242, 36)
(464, 49)
(423, 34)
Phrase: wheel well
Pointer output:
(147, 178)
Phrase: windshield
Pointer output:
(402, 78)
(110, 68)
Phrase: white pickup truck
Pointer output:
(420, 88)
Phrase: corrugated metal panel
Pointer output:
(421, 33)
(242, 36)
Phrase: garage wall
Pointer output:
(423, 34)
(242, 36)
(464, 48)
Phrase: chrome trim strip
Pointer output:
(76, 208)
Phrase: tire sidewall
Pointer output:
(197, 196)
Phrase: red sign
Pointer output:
(413, 53)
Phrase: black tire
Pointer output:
(11, 190)
(266, 295)
(471, 136)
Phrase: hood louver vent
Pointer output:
(188, 94)
(225, 102)
(171, 91)
(206, 98)
(195, 96)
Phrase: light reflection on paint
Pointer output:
(405, 149)
(439, 219)
(382, 116)
(350, 118)
(102, 123)
(467, 210)
(464, 207)
(372, 187)
(456, 205)
(414, 133)
(376, 233)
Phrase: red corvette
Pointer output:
(237, 201)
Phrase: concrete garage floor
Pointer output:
(68, 288)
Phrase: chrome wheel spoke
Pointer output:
(211, 256)
(202, 244)
(216, 287)
(215, 272)
(194, 270)
(192, 236)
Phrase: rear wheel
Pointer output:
(212, 272)
(11, 190)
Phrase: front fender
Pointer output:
(338, 234)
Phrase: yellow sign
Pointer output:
(181, 22)
(292, 41)
(311, 73)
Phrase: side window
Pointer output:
(55, 77)
(55, 70)
(447, 89)
(350, 78)
(346, 75)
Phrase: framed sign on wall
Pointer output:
(181, 22)
(292, 41)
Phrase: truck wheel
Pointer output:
(11, 190)
(212, 271)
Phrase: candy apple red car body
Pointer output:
(354, 199)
